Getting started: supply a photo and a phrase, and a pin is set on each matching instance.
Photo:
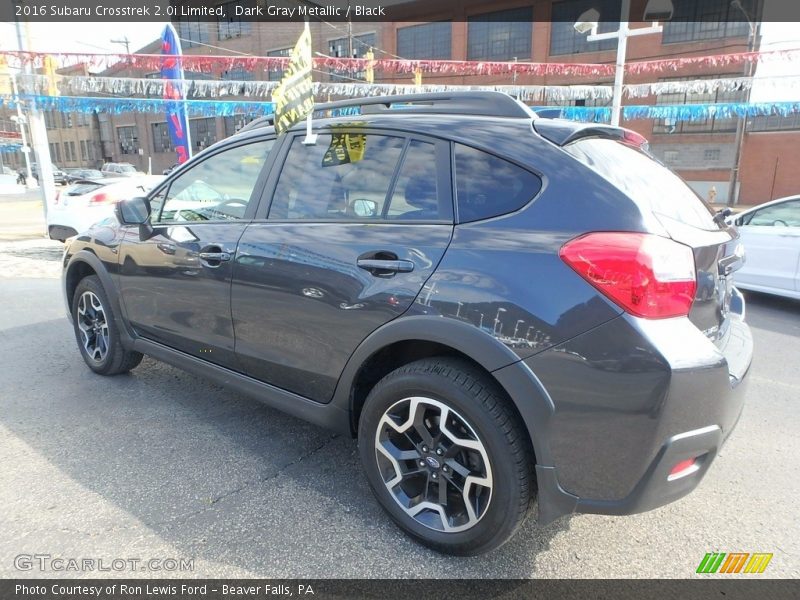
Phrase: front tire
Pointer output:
(447, 456)
(96, 330)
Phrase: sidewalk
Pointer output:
(21, 216)
(24, 249)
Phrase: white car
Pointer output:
(771, 237)
(82, 204)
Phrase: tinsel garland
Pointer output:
(681, 112)
(82, 104)
(202, 88)
(218, 64)
(211, 108)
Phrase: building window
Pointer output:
(55, 151)
(341, 47)
(161, 140)
(238, 74)
(774, 122)
(563, 37)
(232, 26)
(709, 125)
(502, 35)
(428, 40)
(697, 20)
(128, 140)
(671, 156)
(84, 153)
(711, 154)
(192, 32)
(203, 132)
(277, 74)
(235, 123)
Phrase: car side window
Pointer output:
(218, 188)
(488, 186)
(785, 214)
(343, 176)
(416, 193)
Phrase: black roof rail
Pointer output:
(476, 103)
(484, 103)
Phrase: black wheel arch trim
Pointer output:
(110, 288)
(517, 379)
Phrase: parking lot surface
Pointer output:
(160, 464)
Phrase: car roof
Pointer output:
(770, 203)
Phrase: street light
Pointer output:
(656, 10)
(497, 320)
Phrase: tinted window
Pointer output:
(786, 214)
(416, 193)
(488, 186)
(342, 176)
(218, 188)
(641, 177)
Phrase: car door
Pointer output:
(356, 224)
(175, 284)
(771, 238)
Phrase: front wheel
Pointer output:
(447, 456)
(96, 330)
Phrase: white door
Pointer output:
(771, 238)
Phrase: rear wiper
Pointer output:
(720, 216)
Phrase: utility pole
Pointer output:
(621, 35)
(125, 41)
(38, 133)
(741, 122)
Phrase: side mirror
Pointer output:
(739, 222)
(365, 208)
(134, 211)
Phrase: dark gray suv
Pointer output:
(500, 307)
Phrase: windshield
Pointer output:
(127, 169)
(642, 177)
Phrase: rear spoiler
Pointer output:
(562, 132)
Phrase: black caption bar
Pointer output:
(379, 10)
(735, 588)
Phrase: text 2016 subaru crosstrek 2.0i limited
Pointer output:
(500, 307)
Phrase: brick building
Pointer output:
(525, 30)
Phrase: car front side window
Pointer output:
(218, 188)
(785, 214)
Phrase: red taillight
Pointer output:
(100, 198)
(647, 275)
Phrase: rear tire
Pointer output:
(482, 456)
(96, 330)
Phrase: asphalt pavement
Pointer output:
(159, 464)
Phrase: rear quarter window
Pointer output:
(488, 186)
(642, 177)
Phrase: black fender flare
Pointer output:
(92, 260)
(523, 387)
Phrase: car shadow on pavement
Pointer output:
(215, 475)
(778, 314)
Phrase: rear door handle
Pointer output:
(385, 267)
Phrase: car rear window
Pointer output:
(79, 189)
(489, 186)
(641, 176)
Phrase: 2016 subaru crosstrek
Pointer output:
(500, 307)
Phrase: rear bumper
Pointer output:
(631, 399)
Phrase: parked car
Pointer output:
(120, 170)
(770, 233)
(74, 175)
(171, 168)
(59, 176)
(87, 201)
(497, 306)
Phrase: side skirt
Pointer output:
(324, 415)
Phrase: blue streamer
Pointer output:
(678, 112)
(199, 108)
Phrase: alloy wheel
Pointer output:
(93, 325)
(433, 464)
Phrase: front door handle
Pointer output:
(385, 267)
(213, 256)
